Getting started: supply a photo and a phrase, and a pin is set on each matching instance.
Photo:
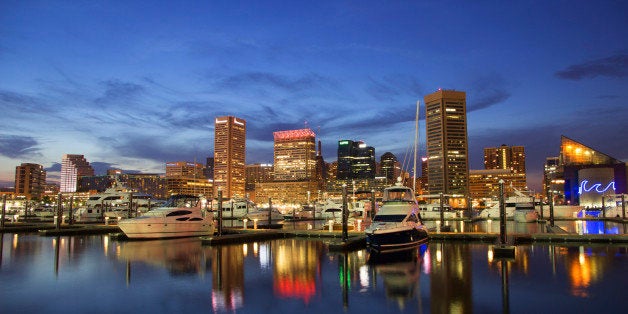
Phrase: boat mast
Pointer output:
(416, 144)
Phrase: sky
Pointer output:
(135, 84)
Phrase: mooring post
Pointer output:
(603, 207)
(219, 212)
(551, 204)
(129, 214)
(345, 213)
(70, 214)
(502, 214)
(270, 209)
(59, 212)
(4, 209)
(623, 206)
(372, 213)
(441, 209)
(541, 204)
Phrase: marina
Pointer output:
(303, 272)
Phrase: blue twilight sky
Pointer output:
(133, 84)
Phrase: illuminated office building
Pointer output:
(30, 180)
(184, 177)
(295, 155)
(447, 149)
(73, 167)
(355, 160)
(505, 157)
(389, 167)
(229, 156)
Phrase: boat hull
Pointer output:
(160, 230)
(396, 239)
(525, 216)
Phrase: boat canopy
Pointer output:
(400, 193)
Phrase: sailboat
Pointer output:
(397, 225)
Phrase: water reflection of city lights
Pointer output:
(245, 249)
(581, 255)
(490, 254)
(264, 256)
(427, 265)
(15, 241)
(255, 249)
(364, 276)
(105, 245)
(439, 255)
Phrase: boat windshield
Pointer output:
(182, 201)
(401, 194)
(389, 218)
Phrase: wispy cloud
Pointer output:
(116, 90)
(15, 146)
(615, 66)
(390, 87)
(307, 82)
(488, 90)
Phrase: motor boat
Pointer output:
(114, 203)
(261, 214)
(432, 211)
(525, 212)
(397, 225)
(236, 208)
(180, 216)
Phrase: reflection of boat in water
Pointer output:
(179, 256)
(181, 216)
(397, 224)
(400, 272)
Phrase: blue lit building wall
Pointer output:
(572, 181)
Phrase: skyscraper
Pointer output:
(295, 155)
(30, 180)
(355, 160)
(505, 157)
(229, 156)
(447, 148)
(389, 167)
(73, 167)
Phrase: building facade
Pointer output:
(484, 184)
(73, 167)
(229, 156)
(447, 148)
(588, 175)
(184, 177)
(30, 180)
(257, 173)
(294, 155)
(356, 160)
(389, 167)
(505, 157)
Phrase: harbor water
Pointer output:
(97, 274)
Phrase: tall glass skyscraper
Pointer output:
(355, 160)
(447, 148)
(229, 156)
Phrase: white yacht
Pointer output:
(180, 216)
(236, 208)
(525, 212)
(432, 211)
(114, 203)
(261, 214)
(397, 225)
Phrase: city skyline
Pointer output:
(134, 85)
